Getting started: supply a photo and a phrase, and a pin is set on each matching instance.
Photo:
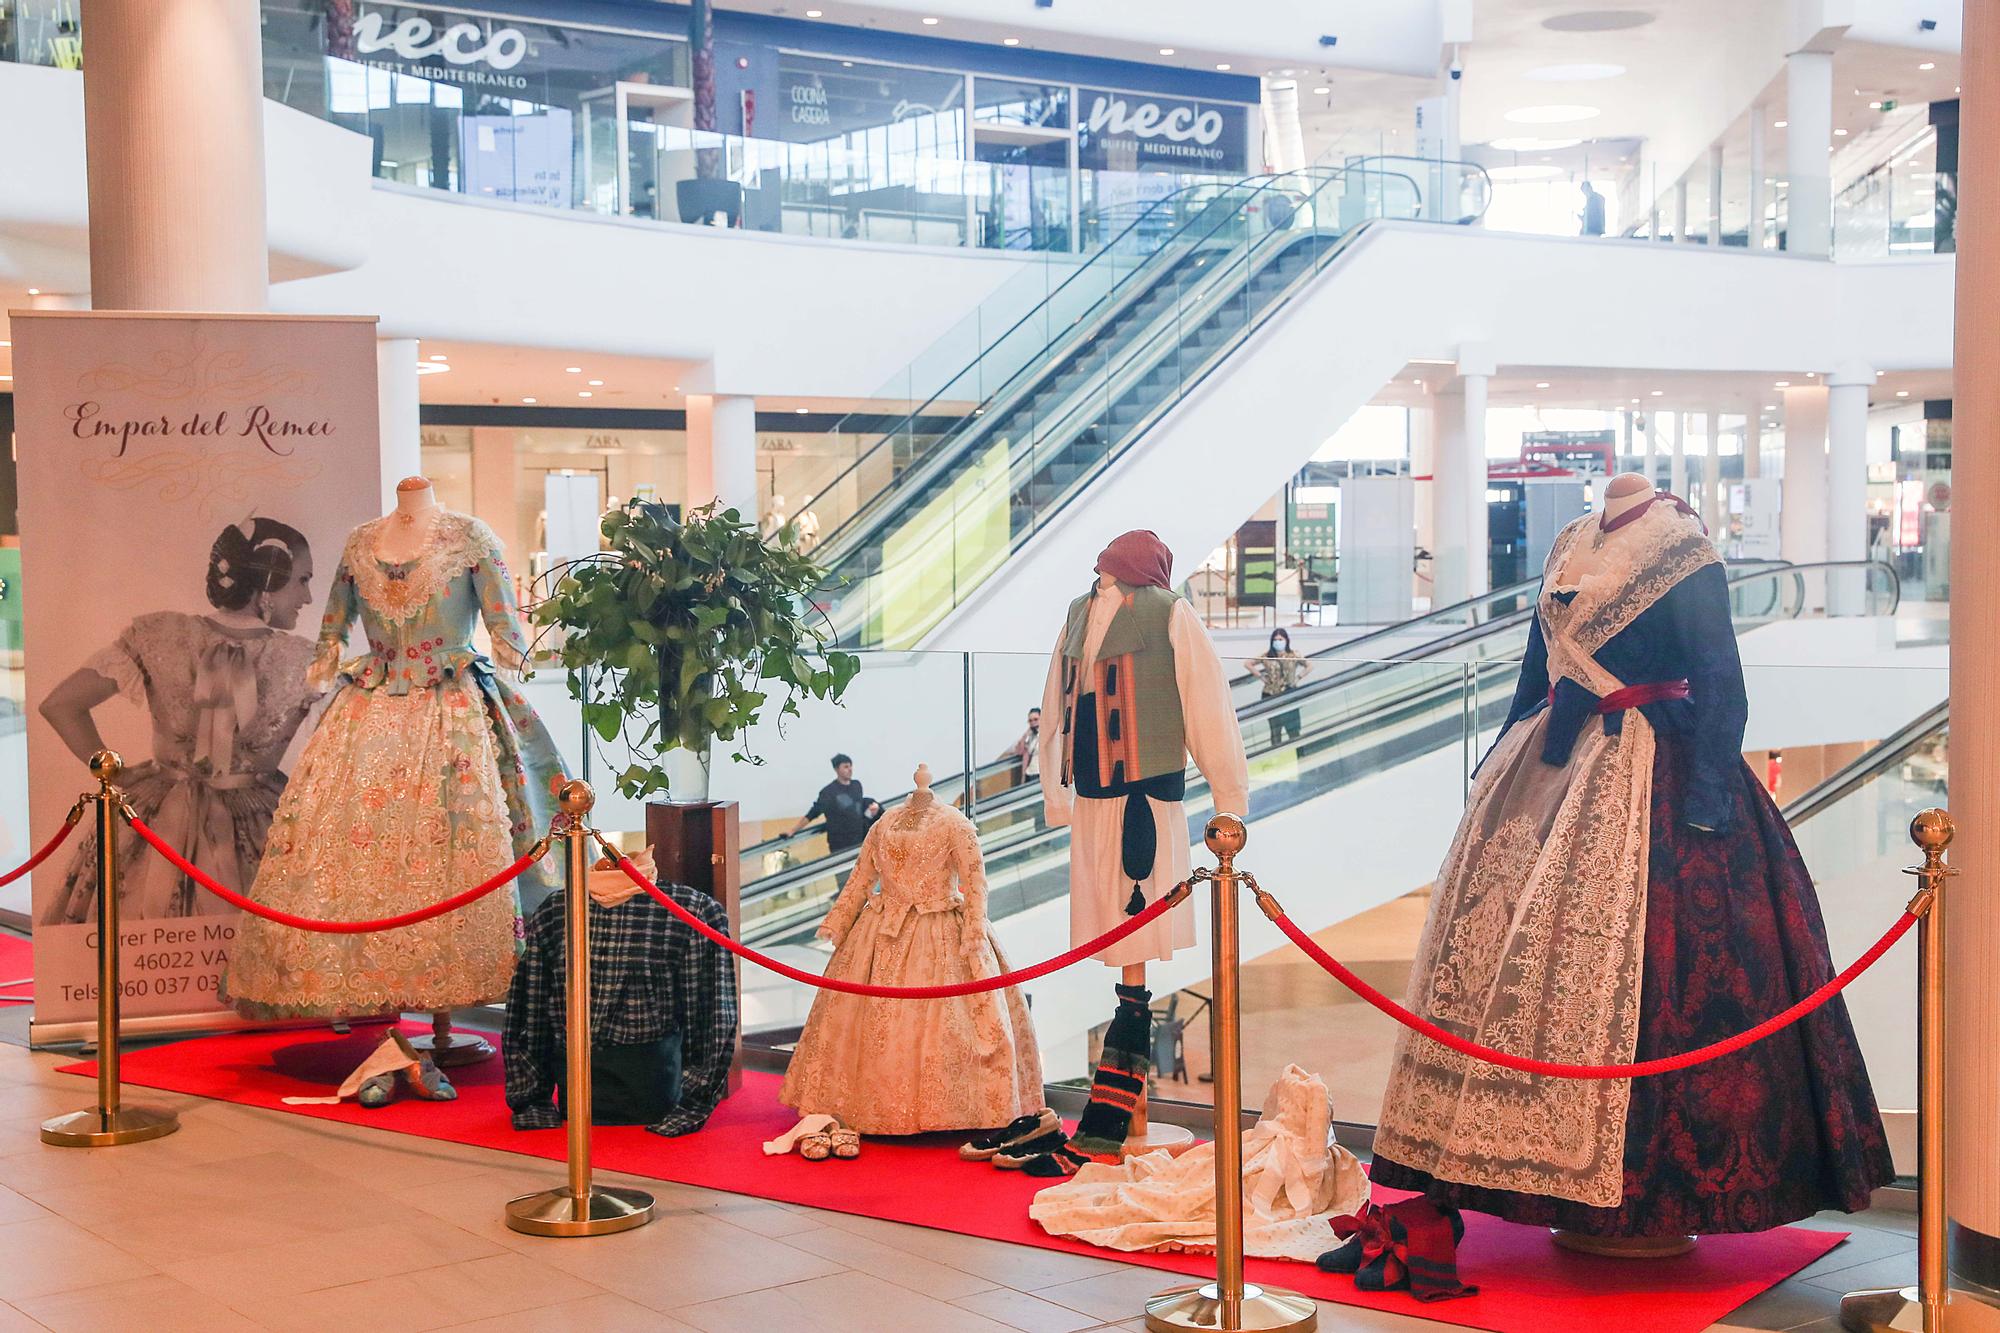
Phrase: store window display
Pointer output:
(1622, 888)
(428, 772)
(1138, 688)
(913, 913)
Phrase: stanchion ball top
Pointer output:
(1225, 835)
(106, 765)
(576, 797)
(1932, 830)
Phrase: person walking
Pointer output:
(847, 809)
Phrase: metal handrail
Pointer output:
(1865, 767)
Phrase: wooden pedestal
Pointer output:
(698, 843)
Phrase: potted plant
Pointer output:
(681, 632)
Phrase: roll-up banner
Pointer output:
(186, 483)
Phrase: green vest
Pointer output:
(1141, 732)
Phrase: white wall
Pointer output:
(1240, 435)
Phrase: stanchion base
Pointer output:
(1157, 1136)
(95, 1128)
(1265, 1309)
(460, 1048)
(1897, 1310)
(557, 1213)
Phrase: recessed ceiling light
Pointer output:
(1770, 407)
(1321, 91)
(1928, 65)
(574, 370)
(8, 378)
(1779, 124)
(1781, 384)
(1542, 385)
(583, 393)
(1574, 73)
(527, 400)
(34, 291)
(440, 357)
(677, 388)
(800, 410)
(595, 383)
(1874, 106)
(1559, 113)
(1635, 400)
(1531, 145)
(1840, 134)
(5, 343)
(1223, 65)
(930, 23)
(812, 13)
(1166, 50)
(1659, 393)
(1902, 393)
(1010, 41)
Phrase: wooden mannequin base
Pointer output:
(1624, 1247)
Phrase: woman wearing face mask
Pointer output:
(1280, 669)
(226, 692)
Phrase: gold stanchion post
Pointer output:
(578, 1208)
(1226, 1305)
(1924, 1307)
(109, 1122)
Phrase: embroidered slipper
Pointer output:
(789, 1140)
(984, 1147)
(846, 1143)
(1020, 1155)
(817, 1146)
(423, 1076)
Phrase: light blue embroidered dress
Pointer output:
(427, 773)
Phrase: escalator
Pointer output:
(1429, 709)
(990, 450)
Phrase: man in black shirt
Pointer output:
(846, 809)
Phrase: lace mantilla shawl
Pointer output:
(458, 542)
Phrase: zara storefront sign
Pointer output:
(1132, 131)
(448, 51)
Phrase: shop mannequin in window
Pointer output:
(1621, 888)
(1134, 687)
(428, 772)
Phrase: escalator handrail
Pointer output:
(1257, 185)
(1870, 764)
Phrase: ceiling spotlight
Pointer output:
(1902, 393)
(1166, 50)
(677, 388)
(1542, 385)
(34, 291)
(596, 383)
(574, 370)
(1659, 393)
(1635, 400)
(1223, 65)
(800, 410)
(1770, 407)
(1321, 91)
(1928, 65)
(1010, 41)
(1840, 134)
(5, 343)
(1781, 384)
(583, 393)
(930, 23)
(440, 357)
(812, 13)
(1779, 124)
(527, 400)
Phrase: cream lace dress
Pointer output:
(1295, 1177)
(896, 1066)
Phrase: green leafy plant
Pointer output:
(679, 634)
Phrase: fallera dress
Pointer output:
(891, 1066)
(427, 773)
(225, 704)
(1622, 888)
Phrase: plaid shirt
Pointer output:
(650, 976)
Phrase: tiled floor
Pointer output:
(253, 1219)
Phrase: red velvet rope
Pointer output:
(1082, 951)
(1636, 1069)
(48, 850)
(235, 899)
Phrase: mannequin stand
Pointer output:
(1145, 1136)
(1624, 1247)
(450, 1050)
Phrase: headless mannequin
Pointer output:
(404, 537)
(1622, 494)
(921, 797)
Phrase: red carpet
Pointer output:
(1527, 1285)
(17, 969)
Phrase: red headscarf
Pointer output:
(1138, 558)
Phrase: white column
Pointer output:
(1423, 463)
(173, 105)
(1972, 937)
(1809, 194)
(1757, 201)
(1681, 209)
(722, 452)
(1677, 474)
(1711, 475)
(1753, 442)
(1802, 512)
(396, 393)
(1715, 194)
(1459, 562)
(1847, 482)
(1652, 468)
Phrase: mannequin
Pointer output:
(1622, 887)
(1137, 689)
(408, 531)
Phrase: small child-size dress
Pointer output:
(427, 774)
(896, 1066)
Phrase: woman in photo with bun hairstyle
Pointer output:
(226, 691)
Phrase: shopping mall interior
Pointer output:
(917, 461)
